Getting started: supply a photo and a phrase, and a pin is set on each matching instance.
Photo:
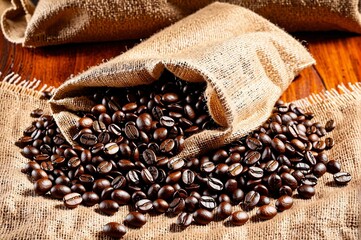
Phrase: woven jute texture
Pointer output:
(333, 213)
(62, 21)
(246, 61)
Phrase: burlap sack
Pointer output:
(63, 21)
(333, 213)
(246, 61)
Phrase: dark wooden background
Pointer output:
(338, 57)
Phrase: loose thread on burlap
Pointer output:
(14, 82)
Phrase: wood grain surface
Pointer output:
(338, 57)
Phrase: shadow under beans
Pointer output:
(174, 228)
(62, 207)
(28, 193)
(333, 184)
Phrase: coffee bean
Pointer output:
(78, 188)
(289, 180)
(235, 169)
(85, 122)
(111, 148)
(266, 212)
(176, 206)
(306, 191)
(255, 172)
(109, 207)
(59, 191)
(104, 167)
(330, 125)
(144, 122)
(333, 166)
(37, 174)
(278, 145)
(166, 192)
(176, 163)
(237, 196)
(207, 202)
(271, 166)
(342, 178)
(207, 167)
(135, 219)
(114, 230)
(147, 176)
(250, 200)
(215, 184)
(309, 179)
(263, 200)
(160, 205)
(120, 196)
(203, 216)
(131, 131)
(188, 177)
(224, 210)
(149, 156)
(90, 198)
(239, 218)
(88, 139)
(310, 158)
(160, 134)
(42, 186)
(252, 157)
(144, 205)
(253, 143)
(184, 220)
(72, 200)
(283, 203)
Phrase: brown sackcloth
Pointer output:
(63, 21)
(246, 61)
(333, 213)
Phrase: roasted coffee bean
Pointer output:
(207, 167)
(85, 122)
(309, 179)
(289, 180)
(88, 139)
(285, 190)
(274, 182)
(176, 163)
(167, 121)
(176, 206)
(149, 156)
(283, 203)
(237, 196)
(207, 202)
(131, 131)
(166, 192)
(135, 219)
(342, 178)
(63, 180)
(278, 145)
(72, 200)
(147, 176)
(330, 125)
(253, 143)
(235, 169)
(215, 184)
(104, 167)
(100, 184)
(255, 172)
(184, 219)
(108, 207)
(167, 146)
(333, 166)
(144, 205)
(90, 198)
(191, 203)
(251, 200)
(306, 191)
(261, 189)
(42, 186)
(271, 166)
(114, 230)
(251, 157)
(263, 200)
(37, 174)
(59, 191)
(224, 210)
(203, 216)
(160, 205)
(111, 148)
(120, 196)
(303, 167)
(239, 218)
(133, 177)
(188, 177)
(266, 212)
(78, 188)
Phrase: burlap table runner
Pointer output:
(246, 61)
(333, 213)
(63, 21)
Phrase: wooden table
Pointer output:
(338, 57)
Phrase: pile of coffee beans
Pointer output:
(126, 141)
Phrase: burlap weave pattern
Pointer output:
(333, 213)
(63, 21)
(246, 61)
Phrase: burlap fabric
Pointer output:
(333, 213)
(63, 21)
(246, 61)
